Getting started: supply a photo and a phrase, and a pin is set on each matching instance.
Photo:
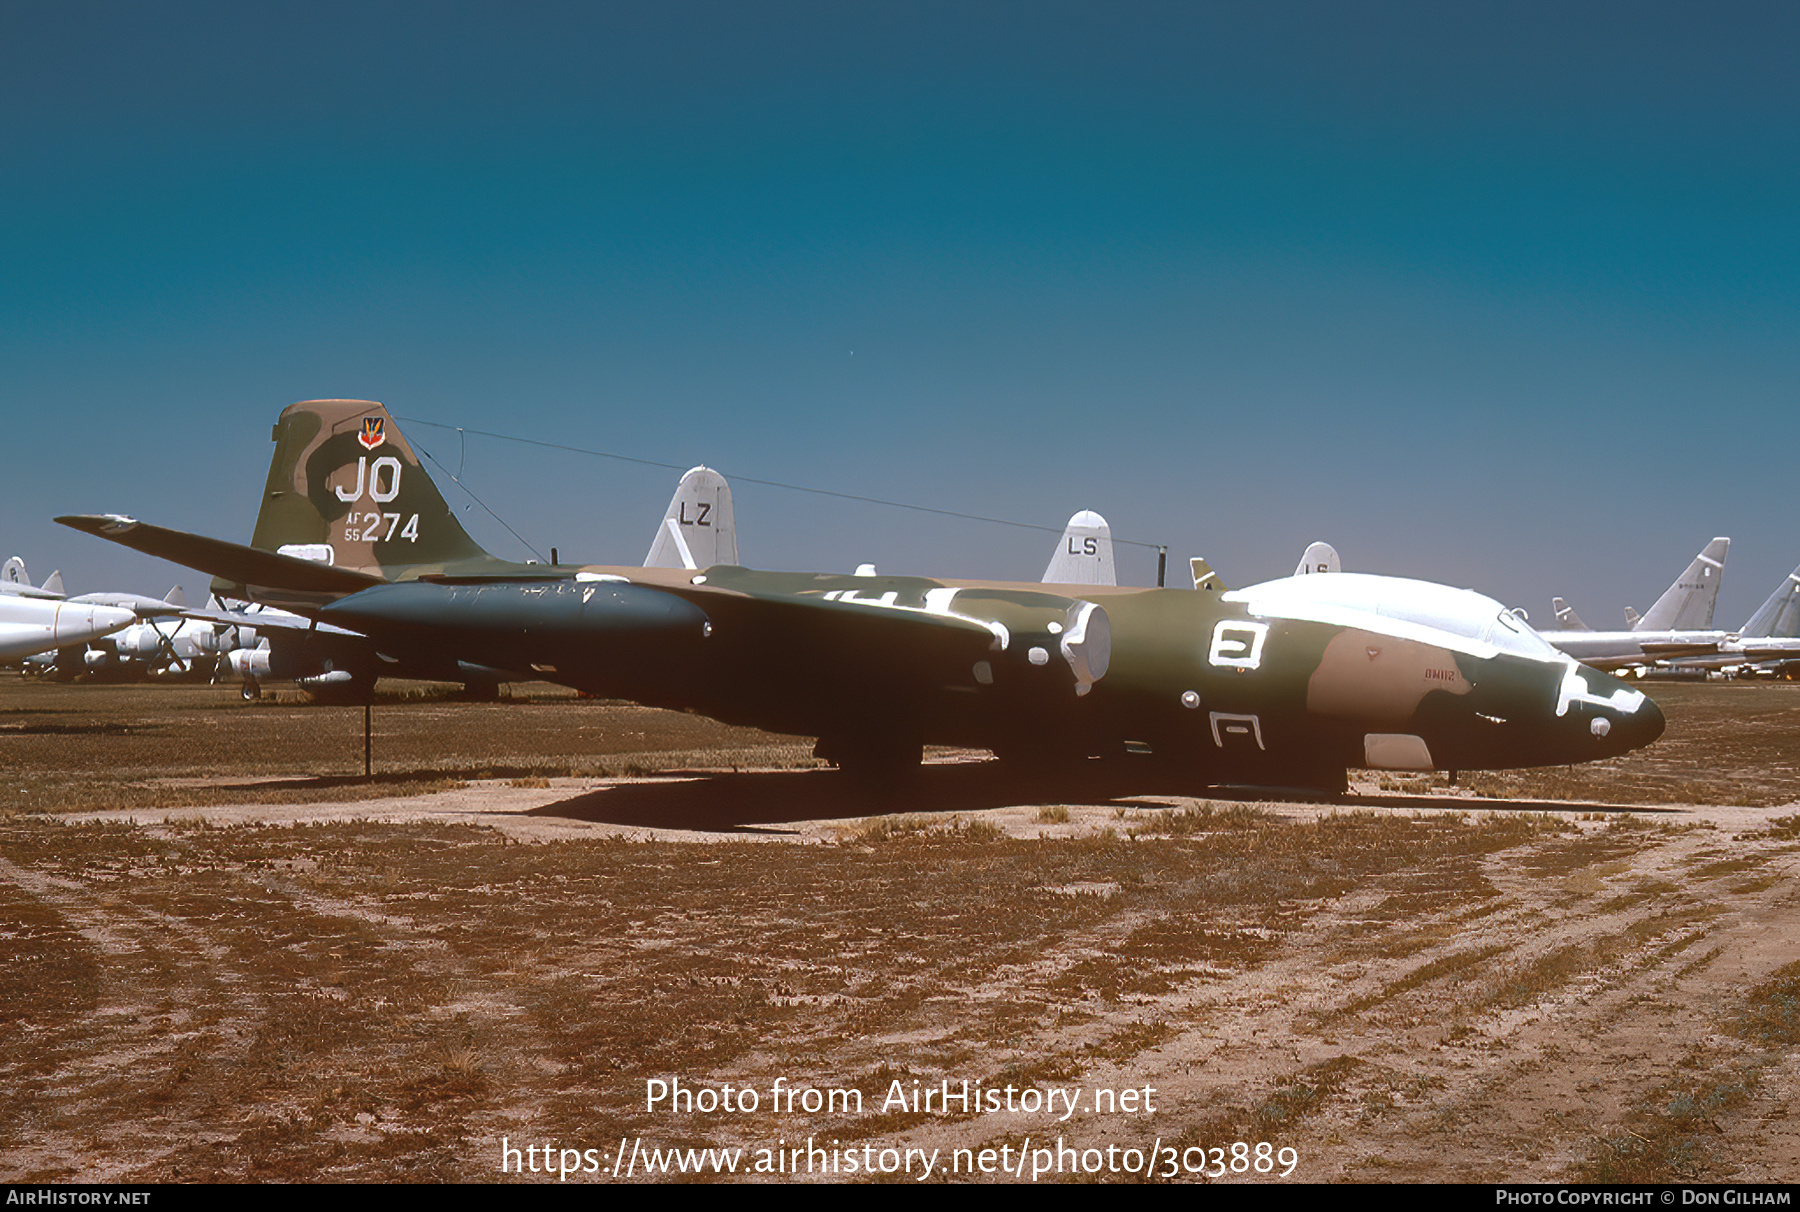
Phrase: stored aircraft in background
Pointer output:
(34, 620)
(15, 581)
(1686, 605)
(152, 639)
(1084, 554)
(699, 529)
(1287, 683)
(1662, 637)
(1317, 558)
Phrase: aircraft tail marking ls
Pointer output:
(1084, 554)
(1319, 557)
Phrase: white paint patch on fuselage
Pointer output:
(1574, 689)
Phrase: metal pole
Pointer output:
(368, 762)
(1162, 566)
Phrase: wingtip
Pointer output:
(98, 523)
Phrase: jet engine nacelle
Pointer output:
(625, 639)
(139, 640)
(248, 662)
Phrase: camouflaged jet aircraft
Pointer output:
(1285, 683)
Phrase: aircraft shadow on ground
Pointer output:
(712, 802)
(761, 802)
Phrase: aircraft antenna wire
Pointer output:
(458, 481)
(738, 479)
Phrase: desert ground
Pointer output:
(225, 955)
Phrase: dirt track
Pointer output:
(1406, 986)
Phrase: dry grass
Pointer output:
(376, 1001)
(318, 977)
(80, 748)
(1734, 743)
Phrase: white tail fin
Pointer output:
(699, 529)
(1687, 605)
(1319, 557)
(1780, 614)
(1566, 618)
(177, 596)
(1084, 554)
(14, 581)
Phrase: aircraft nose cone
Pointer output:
(1646, 724)
(75, 625)
(1630, 720)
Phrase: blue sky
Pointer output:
(1499, 295)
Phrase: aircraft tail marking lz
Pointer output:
(700, 527)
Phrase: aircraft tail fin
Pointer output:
(1566, 618)
(1780, 614)
(1319, 557)
(1204, 577)
(1084, 554)
(14, 581)
(699, 529)
(346, 489)
(1687, 605)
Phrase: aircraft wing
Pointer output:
(231, 561)
(903, 632)
(260, 621)
(910, 612)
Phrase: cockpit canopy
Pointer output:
(1415, 610)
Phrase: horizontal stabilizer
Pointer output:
(1084, 554)
(229, 561)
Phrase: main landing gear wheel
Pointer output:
(875, 761)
